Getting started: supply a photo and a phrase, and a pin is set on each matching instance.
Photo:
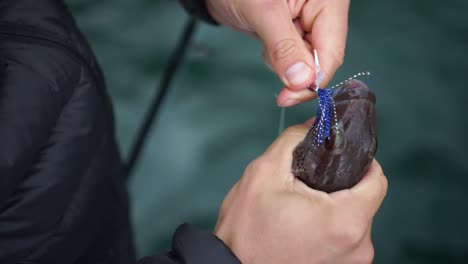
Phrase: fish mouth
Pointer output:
(353, 90)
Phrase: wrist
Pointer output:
(236, 236)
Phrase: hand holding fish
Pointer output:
(271, 217)
(289, 30)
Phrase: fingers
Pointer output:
(328, 30)
(292, 96)
(285, 49)
(289, 97)
(284, 145)
(295, 7)
(373, 187)
(299, 30)
(279, 154)
(371, 190)
(280, 151)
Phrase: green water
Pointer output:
(221, 113)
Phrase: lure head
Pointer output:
(342, 159)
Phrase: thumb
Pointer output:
(284, 145)
(284, 47)
(328, 36)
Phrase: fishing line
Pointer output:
(173, 65)
(282, 120)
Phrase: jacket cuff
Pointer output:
(198, 9)
(191, 245)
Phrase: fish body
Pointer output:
(342, 159)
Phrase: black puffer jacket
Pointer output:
(62, 194)
(62, 191)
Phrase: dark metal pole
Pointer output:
(175, 60)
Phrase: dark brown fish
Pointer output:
(342, 160)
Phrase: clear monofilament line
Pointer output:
(282, 120)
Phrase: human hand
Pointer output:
(271, 217)
(289, 29)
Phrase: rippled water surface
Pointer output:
(221, 113)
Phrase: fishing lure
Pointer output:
(342, 142)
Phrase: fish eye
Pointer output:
(336, 141)
(374, 146)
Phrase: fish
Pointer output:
(342, 159)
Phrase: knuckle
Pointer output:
(353, 235)
(384, 185)
(296, 130)
(284, 49)
(381, 186)
(338, 56)
(257, 165)
(290, 135)
(249, 184)
(252, 167)
(256, 169)
(365, 255)
(368, 255)
(350, 235)
(290, 130)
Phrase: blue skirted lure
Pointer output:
(326, 108)
(325, 112)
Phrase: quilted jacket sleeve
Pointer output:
(29, 107)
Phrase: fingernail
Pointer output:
(289, 102)
(298, 73)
